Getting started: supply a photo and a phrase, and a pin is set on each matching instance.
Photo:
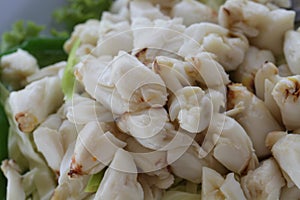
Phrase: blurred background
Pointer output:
(35, 10)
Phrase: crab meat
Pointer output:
(120, 179)
(286, 94)
(265, 182)
(214, 186)
(254, 112)
(259, 23)
(229, 47)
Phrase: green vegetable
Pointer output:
(20, 32)
(4, 93)
(3, 135)
(3, 147)
(68, 80)
(94, 182)
(56, 33)
(78, 11)
(177, 195)
(46, 50)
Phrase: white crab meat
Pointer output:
(88, 72)
(214, 186)
(273, 137)
(51, 70)
(265, 80)
(130, 85)
(15, 67)
(259, 23)
(69, 133)
(145, 9)
(178, 158)
(286, 151)
(284, 70)
(254, 60)
(207, 71)
(291, 53)
(236, 151)
(49, 143)
(268, 72)
(87, 33)
(265, 182)
(15, 189)
(289, 193)
(69, 187)
(254, 112)
(143, 124)
(151, 192)
(152, 129)
(85, 110)
(229, 47)
(192, 11)
(152, 163)
(120, 179)
(192, 108)
(167, 41)
(174, 72)
(286, 94)
(275, 3)
(94, 150)
(113, 37)
(197, 157)
(46, 93)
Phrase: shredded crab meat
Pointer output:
(174, 99)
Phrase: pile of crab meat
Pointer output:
(164, 90)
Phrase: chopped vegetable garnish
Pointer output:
(78, 11)
(94, 182)
(21, 31)
(68, 80)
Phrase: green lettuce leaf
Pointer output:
(94, 182)
(3, 147)
(4, 93)
(3, 135)
(68, 80)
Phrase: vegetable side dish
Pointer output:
(157, 100)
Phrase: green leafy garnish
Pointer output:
(25, 35)
(3, 146)
(20, 32)
(3, 135)
(4, 93)
(55, 33)
(78, 11)
(94, 182)
(68, 80)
